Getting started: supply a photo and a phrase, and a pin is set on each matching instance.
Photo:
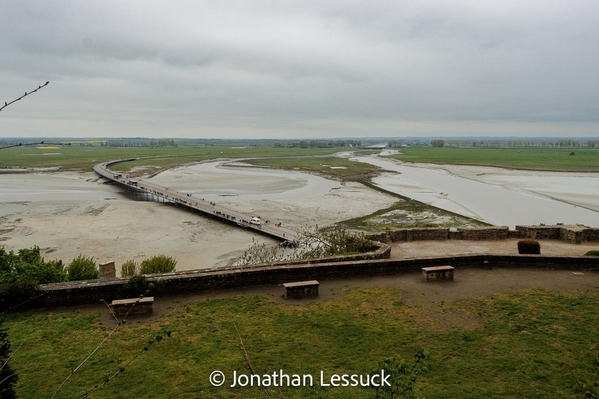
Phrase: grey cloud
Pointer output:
(203, 68)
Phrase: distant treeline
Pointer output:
(138, 143)
(522, 143)
(252, 143)
(147, 142)
(318, 144)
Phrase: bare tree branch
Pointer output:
(24, 95)
(119, 324)
(241, 346)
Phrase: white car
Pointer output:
(256, 221)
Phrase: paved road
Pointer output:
(190, 202)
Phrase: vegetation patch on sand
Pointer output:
(406, 212)
(329, 166)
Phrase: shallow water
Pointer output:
(508, 199)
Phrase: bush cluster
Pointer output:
(155, 264)
(27, 265)
(529, 247)
(593, 252)
(82, 268)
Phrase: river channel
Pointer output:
(494, 195)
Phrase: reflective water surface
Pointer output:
(504, 197)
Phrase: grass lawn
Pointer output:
(514, 352)
(584, 160)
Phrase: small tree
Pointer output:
(158, 264)
(83, 268)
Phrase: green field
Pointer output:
(77, 158)
(73, 158)
(583, 160)
(512, 349)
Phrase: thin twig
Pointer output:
(97, 347)
(247, 357)
(13, 352)
(107, 380)
(21, 304)
(24, 95)
(7, 378)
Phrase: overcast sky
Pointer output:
(300, 69)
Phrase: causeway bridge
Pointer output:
(192, 203)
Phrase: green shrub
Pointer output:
(49, 272)
(158, 264)
(129, 268)
(83, 268)
(28, 265)
(529, 247)
(593, 252)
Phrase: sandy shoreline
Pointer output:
(67, 214)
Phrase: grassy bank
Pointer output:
(406, 213)
(328, 166)
(513, 348)
(583, 160)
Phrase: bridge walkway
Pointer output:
(192, 203)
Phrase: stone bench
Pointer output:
(438, 273)
(301, 289)
(133, 306)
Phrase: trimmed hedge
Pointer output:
(594, 252)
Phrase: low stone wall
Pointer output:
(539, 232)
(77, 293)
(416, 234)
(375, 263)
(574, 234)
(483, 233)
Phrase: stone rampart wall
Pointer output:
(77, 293)
(574, 234)
(483, 233)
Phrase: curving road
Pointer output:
(192, 203)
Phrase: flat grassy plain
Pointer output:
(514, 350)
(584, 160)
(82, 159)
